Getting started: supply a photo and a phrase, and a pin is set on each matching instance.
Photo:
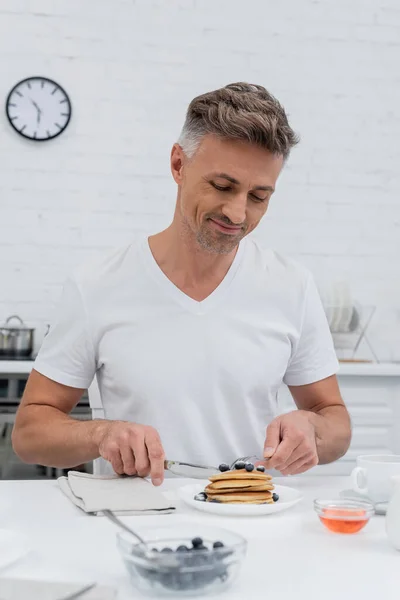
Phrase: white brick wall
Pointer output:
(132, 66)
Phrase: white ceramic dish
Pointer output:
(337, 308)
(346, 318)
(13, 546)
(380, 507)
(288, 497)
(337, 315)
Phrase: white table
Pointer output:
(290, 555)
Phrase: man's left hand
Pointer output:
(290, 444)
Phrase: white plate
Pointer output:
(288, 497)
(347, 308)
(337, 309)
(13, 546)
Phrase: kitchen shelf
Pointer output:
(24, 367)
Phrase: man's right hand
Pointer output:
(132, 449)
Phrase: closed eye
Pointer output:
(221, 188)
(227, 188)
(258, 199)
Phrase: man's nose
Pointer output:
(235, 209)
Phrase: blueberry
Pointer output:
(201, 497)
(249, 467)
(201, 547)
(146, 573)
(224, 467)
(224, 575)
(202, 578)
(275, 497)
(195, 558)
(185, 581)
(218, 545)
(168, 580)
(240, 465)
(261, 468)
(155, 550)
(182, 549)
(197, 541)
(167, 550)
(214, 500)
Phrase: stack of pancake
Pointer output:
(240, 487)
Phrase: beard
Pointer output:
(217, 242)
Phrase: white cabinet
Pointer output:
(372, 395)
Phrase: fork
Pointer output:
(244, 459)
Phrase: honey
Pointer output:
(337, 520)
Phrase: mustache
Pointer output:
(224, 219)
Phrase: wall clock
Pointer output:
(38, 108)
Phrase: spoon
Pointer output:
(110, 515)
(148, 553)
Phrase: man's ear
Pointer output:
(177, 163)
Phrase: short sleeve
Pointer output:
(67, 354)
(313, 357)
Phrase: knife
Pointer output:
(189, 470)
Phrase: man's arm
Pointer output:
(328, 414)
(45, 434)
(319, 432)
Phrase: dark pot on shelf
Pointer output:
(16, 341)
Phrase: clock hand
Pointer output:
(39, 112)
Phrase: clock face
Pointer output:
(38, 108)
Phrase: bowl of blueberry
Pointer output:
(182, 559)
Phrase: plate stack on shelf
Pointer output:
(348, 321)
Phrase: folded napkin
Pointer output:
(24, 589)
(123, 495)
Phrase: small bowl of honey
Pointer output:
(344, 516)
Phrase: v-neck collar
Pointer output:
(183, 299)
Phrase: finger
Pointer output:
(116, 462)
(156, 456)
(301, 466)
(305, 450)
(300, 452)
(128, 460)
(142, 463)
(273, 438)
(112, 454)
(282, 453)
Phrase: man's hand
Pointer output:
(132, 449)
(290, 445)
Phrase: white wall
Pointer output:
(132, 66)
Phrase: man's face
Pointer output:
(224, 190)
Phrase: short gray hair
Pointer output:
(238, 111)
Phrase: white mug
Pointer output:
(372, 476)
(393, 514)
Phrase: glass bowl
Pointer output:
(159, 568)
(342, 515)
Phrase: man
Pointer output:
(192, 331)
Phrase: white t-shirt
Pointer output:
(204, 374)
